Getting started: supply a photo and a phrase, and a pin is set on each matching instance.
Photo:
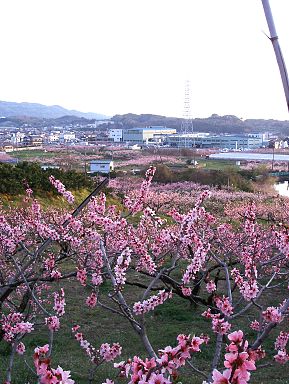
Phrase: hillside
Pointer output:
(38, 115)
(8, 109)
(213, 124)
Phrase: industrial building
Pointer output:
(115, 134)
(146, 135)
(242, 141)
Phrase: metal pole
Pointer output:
(279, 57)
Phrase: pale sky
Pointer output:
(120, 56)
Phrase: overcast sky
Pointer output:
(121, 56)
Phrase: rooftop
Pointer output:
(249, 156)
(152, 128)
(101, 161)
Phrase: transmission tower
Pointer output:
(187, 127)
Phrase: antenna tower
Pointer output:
(187, 122)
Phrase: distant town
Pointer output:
(103, 132)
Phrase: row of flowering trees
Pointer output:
(227, 268)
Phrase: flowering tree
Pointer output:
(229, 269)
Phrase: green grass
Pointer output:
(25, 155)
(217, 164)
(163, 325)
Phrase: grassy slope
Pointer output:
(98, 326)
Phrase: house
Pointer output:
(101, 166)
(66, 137)
(32, 141)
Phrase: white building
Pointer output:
(17, 137)
(115, 134)
(53, 137)
(66, 137)
(146, 135)
(101, 166)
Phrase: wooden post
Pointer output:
(279, 57)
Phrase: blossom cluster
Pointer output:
(250, 218)
(162, 369)
(53, 323)
(239, 360)
(280, 345)
(211, 286)
(219, 324)
(14, 324)
(59, 302)
(81, 276)
(150, 304)
(46, 374)
(248, 288)
(224, 305)
(61, 189)
(106, 352)
(137, 205)
(91, 300)
(272, 314)
(122, 264)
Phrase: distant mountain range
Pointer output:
(38, 115)
(8, 109)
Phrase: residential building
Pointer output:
(53, 137)
(66, 137)
(32, 141)
(17, 138)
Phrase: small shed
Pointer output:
(101, 166)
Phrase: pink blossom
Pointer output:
(255, 325)
(151, 303)
(282, 340)
(221, 378)
(223, 303)
(81, 276)
(110, 352)
(96, 279)
(282, 357)
(59, 302)
(186, 291)
(20, 349)
(236, 337)
(62, 376)
(272, 314)
(61, 189)
(211, 286)
(122, 264)
(158, 379)
(91, 300)
(53, 323)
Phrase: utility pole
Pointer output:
(279, 57)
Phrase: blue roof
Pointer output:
(101, 161)
(153, 128)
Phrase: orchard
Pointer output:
(129, 260)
